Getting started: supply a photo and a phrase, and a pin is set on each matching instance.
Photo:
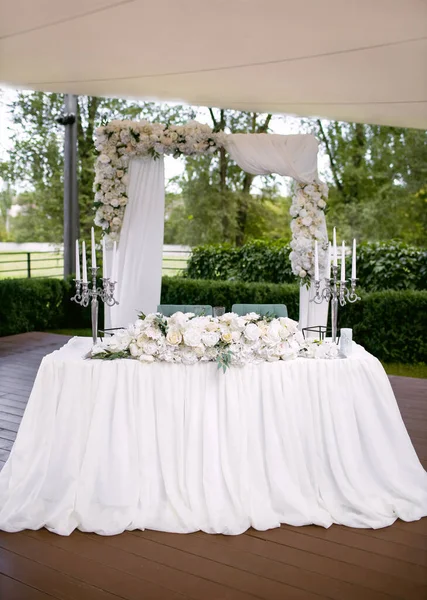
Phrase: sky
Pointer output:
(280, 124)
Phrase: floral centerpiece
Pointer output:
(119, 141)
(308, 225)
(230, 340)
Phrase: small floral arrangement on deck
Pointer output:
(230, 340)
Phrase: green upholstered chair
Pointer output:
(275, 310)
(198, 309)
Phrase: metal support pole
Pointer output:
(71, 205)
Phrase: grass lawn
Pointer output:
(402, 370)
(51, 264)
(419, 370)
(42, 264)
(72, 332)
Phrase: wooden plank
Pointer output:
(382, 564)
(10, 589)
(353, 539)
(201, 545)
(6, 434)
(397, 535)
(243, 582)
(48, 581)
(96, 548)
(9, 426)
(88, 573)
(317, 563)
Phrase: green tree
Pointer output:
(377, 177)
(219, 200)
(36, 159)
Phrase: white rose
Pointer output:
(302, 273)
(321, 203)
(307, 221)
(251, 332)
(236, 335)
(141, 339)
(149, 347)
(153, 332)
(290, 324)
(148, 358)
(179, 319)
(135, 350)
(273, 332)
(188, 357)
(227, 337)
(252, 316)
(210, 338)
(174, 337)
(192, 336)
(104, 159)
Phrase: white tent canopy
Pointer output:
(353, 60)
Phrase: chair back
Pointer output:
(275, 310)
(198, 309)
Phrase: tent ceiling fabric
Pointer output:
(353, 60)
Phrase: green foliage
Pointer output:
(35, 163)
(392, 265)
(30, 304)
(377, 175)
(40, 305)
(389, 324)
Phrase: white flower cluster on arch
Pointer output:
(119, 141)
(308, 225)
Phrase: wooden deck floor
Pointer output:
(290, 562)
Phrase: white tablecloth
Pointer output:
(109, 446)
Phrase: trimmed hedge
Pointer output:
(39, 305)
(389, 324)
(380, 265)
(392, 325)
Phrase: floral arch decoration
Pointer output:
(120, 141)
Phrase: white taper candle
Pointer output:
(316, 261)
(104, 260)
(77, 260)
(92, 233)
(353, 261)
(343, 262)
(335, 248)
(84, 262)
(114, 266)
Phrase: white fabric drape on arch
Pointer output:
(141, 239)
(290, 156)
(141, 243)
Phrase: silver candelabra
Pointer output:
(84, 293)
(335, 291)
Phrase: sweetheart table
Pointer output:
(106, 446)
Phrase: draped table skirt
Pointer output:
(113, 446)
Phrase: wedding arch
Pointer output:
(130, 194)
